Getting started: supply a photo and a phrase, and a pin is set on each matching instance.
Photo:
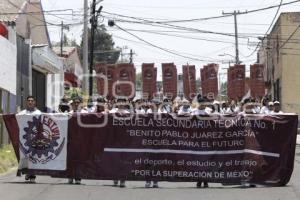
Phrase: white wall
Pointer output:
(55, 90)
(8, 64)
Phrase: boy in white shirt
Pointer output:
(30, 110)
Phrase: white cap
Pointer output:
(276, 102)
(270, 103)
(216, 102)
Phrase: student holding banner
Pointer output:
(121, 108)
(76, 108)
(30, 110)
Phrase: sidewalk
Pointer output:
(298, 139)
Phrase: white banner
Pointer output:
(43, 141)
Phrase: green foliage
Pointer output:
(8, 158)
(104, 50)
(74, 92)
(224, 89)
(138, 81)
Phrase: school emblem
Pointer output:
(42, 140)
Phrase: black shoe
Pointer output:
(122, 184)
(205, 185)
(78, 181)
(199, 184)
(31, 178)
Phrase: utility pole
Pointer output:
(235, 13)
(94, 23)
(61, 39)
(85, 47)
(131, 56)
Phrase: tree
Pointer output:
(223, 89)
(67, 42)
(138, 81)
(104, 50)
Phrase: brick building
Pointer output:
(189, 81)
(169, 73)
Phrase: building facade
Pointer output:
(280, 56)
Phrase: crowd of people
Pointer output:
(199, 106)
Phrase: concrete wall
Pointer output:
(290, 60)
(8, 63)
(283, 60)
(8, 80)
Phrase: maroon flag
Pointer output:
(149, 73)
(257, 84)
(169, 73)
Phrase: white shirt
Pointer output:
(198, 112)
(149, 111)
(264, 110)
(117, 110)
(140, 111)
(272, 112)
(165, 109)
(28, 112)
(182, 111)
(90, 109)
(79, 111)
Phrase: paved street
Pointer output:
(14, 188)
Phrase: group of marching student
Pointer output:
(200, 106)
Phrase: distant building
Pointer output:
(73, 71)
(28, 64)
(38, 68)
(279, 53)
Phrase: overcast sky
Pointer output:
(198, 48)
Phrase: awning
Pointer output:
(44, 59)
(71, 79)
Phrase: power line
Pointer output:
(182, 36)
(206, 18)
(290, 37)
(161, 48)
(275, 16)
(170, 26)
